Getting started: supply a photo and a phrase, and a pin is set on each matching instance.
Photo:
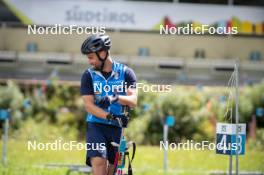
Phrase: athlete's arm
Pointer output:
(91, 108)
(87, 93)
(130, 99)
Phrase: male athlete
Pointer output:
(107, 88)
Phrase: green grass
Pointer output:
(148, 161)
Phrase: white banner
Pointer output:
(126, 15)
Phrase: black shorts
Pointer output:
(99, 135)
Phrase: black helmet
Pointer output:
(96, 43)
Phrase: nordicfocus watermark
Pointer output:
(189, 29)
(190, 145)
(59, 29)
(154, 87)
(59, 145)
(122, 86)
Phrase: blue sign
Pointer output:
(226, 139)
(226, 144)
(4, 114)
(170, 120)
(259, 112)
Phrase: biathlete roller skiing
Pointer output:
(108, 89)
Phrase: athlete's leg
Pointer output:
(111, 169)
(99, 166)
(96, 156)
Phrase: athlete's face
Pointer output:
(94, 61)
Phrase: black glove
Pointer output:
(112, 117)
(106, 101)
(124, 119)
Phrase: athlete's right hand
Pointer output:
(106, 101)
